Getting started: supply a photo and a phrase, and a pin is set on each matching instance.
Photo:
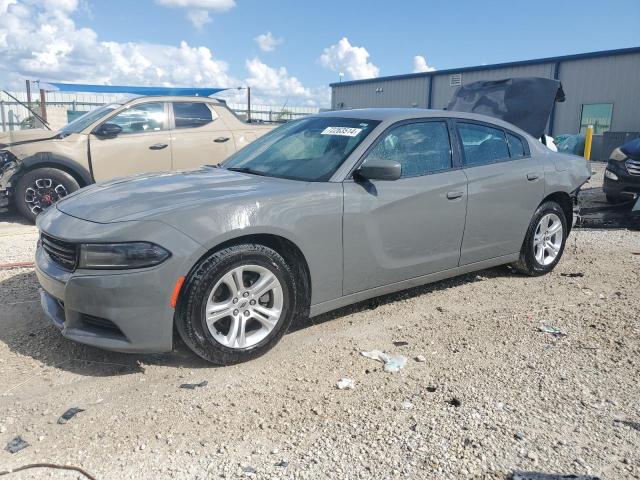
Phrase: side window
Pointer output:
(191, 114)
(482, 145)
(146, 117)
(516, 146)
(420, 148)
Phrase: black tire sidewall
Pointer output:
(62, 177)
(531, 265)
(190, 321)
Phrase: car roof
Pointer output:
(392, 115)
(172, 98)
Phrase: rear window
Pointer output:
(191, 114)
(482, 145)
(516, 146)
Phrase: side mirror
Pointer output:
(107, 130)
(379, 170)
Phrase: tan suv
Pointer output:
(147, 134)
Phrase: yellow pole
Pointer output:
(587, 142)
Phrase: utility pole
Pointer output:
(28, 82)
(43, 105)
(248, 104)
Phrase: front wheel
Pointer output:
(237, 304)
(545, 240)
(40, 188)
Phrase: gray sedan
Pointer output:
(320, 213)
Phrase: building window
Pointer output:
(598, 115)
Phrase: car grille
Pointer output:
(65, 254)
(633, 167)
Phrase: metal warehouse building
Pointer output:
(602, 89)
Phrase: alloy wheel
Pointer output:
(548, 238)
(43, 193)
(244, 306)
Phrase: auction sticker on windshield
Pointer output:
(343, 131)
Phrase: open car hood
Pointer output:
(524, 102)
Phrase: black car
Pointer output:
(622, 176)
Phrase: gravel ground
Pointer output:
(491, 394)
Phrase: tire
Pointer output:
(538, 241)
(38, 189)
(209, 288)
(614, 199)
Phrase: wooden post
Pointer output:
(43, 105)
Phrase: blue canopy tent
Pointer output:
(78, 87)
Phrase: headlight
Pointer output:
(618, 156)
(610, 175)
(121, 255)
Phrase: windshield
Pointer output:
(87, 119)
(310, 149)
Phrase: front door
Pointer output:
(198, 136)
(142, 146)
(402, 229)
(506, 185)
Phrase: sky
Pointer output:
(291, 50)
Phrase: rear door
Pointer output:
(402, 229)
(198, 136)
(506, 185)
(142, 146)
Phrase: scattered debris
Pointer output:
(15, 445)
(573, 274)
(406, 404)
(192, 386)
(420, 358)
(345, 384)
(518, 436)
(549, 476)
(431, 388)
(455, 402)
(629, 423)
(249, 471)
(551, 330)
(392, 363)
(69, 414)
(49, 465)
(400, 344)
(440, 309)
(282, 464)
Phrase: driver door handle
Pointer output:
(532, 176)
(221, 139)
(158, 146)
(455, 194)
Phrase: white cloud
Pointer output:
(41, 41)
(214, 5)
(420, 65)
(199, 18)
(267, 42)
(344, 57)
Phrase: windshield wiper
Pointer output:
(247, 170)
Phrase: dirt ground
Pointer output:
(492, 394)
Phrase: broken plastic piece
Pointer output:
(552, 330)
(573, 274)
(16, 445)
(549, 476)
(629, 423)
(392, 363)
(282, 463)
(345, 384)
(400, 343)
(192, 386)
(69, 414)
(455, 402)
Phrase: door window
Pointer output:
(482, 144)
(515, 146)
(191, 114)
(146, 117)
(420, 148)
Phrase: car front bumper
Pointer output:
(120, 310)
(627, 186)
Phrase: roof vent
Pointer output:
(455, 80)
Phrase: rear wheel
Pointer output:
(38, 189)
(544, 243)
(237, 304)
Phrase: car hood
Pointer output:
(148, 195)
(19, 137)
